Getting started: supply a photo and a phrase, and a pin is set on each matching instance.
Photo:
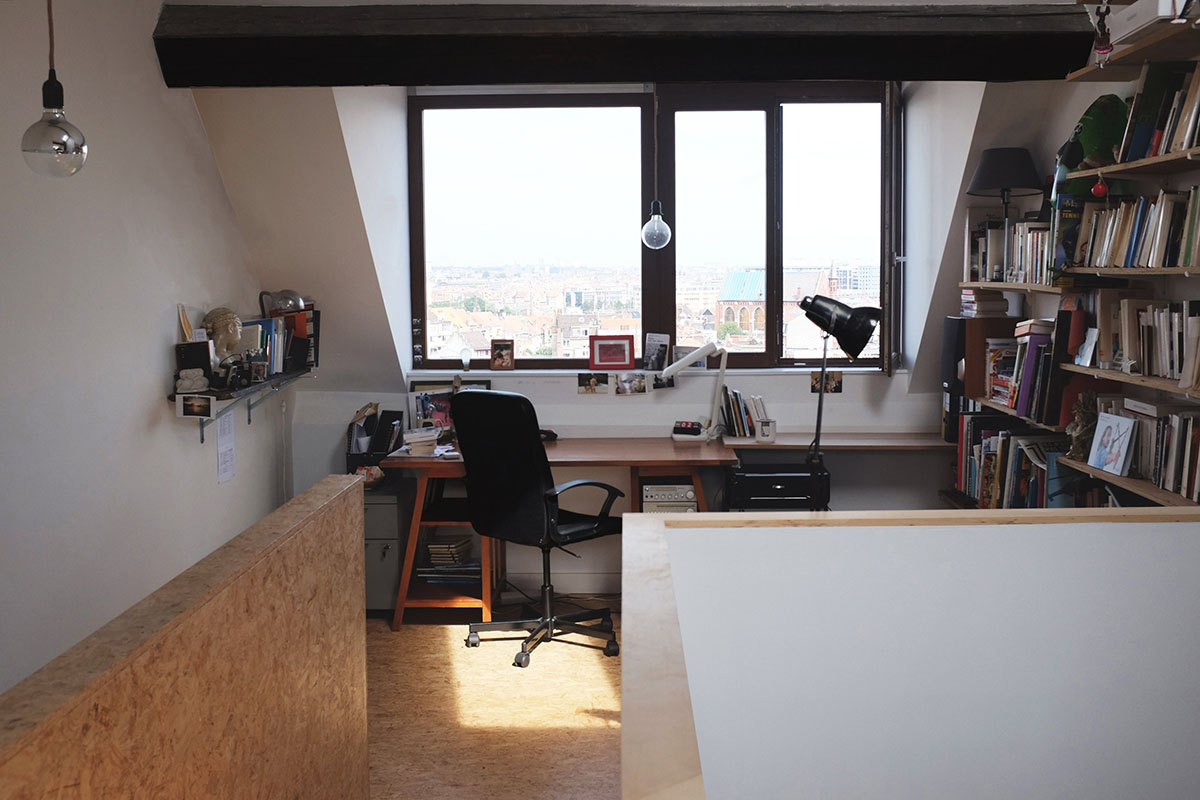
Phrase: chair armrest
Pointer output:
(613, 493)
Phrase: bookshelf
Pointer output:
(1181, 160)
(1011, 287)
(253, 395)
(1168, 385)
(1168, 43)
(1139, 487)
(995, 406)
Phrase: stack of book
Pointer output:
(449, 551)
(1162, 338)
(984, 303)
(741, 413)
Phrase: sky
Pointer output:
(561, 186)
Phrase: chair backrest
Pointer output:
(507, 471)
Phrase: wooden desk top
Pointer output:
(600, 452)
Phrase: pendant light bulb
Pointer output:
(52, 146)
(656, 232)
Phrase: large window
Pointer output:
(526, 211)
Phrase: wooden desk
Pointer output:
(643, 458)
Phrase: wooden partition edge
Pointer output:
(61, 684)
(1023, 516)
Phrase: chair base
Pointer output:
(545, 629)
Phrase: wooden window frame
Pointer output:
(658, 266)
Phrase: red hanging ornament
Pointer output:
(1100, 189)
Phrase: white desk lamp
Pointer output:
(709, 426)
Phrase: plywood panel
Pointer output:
(243, 677)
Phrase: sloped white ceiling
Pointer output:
(284, 162)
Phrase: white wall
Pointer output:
(104, 494)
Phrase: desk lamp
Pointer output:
(709, 427)
(853, 329)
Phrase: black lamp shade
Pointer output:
(1004, 169)
(852, 327)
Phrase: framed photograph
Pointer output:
(610, 352)
(592, 382)
(502, 354)
(1112, 444)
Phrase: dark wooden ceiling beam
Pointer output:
(480, 44)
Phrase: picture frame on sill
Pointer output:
(612, 352)
(503, 354)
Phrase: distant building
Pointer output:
(742, 300)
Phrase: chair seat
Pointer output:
(573, 527)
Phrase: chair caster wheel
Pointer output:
(472, 639)
(612, 649)
(605, 625)
(522, 660)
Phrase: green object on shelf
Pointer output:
(1100, 131)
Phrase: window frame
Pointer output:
(658, 312)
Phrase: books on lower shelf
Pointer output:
(1003, 463)
(469, 572)
(449, 551)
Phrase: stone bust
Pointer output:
(225, 330)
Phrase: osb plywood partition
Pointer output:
(245, 676)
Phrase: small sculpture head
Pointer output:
(224, 329)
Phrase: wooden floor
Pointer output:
(450, 722)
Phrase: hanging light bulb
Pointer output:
(656, 232)
(52, 146)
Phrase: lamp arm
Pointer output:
(814, 449)
(710, 425)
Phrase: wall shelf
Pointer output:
(996, 406)
(1131, 272)
(1139, 487)
(1011, 287)
(1161, 384)
(1168, 43)
(254, 395)
(1168, 164)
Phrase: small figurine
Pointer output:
(225, 330)
(1083, 426)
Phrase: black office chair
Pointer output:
(511, 496)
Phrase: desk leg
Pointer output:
(635, 490)
(698, 486)
(486, 547)
(410, 550)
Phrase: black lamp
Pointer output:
(1005, 172)
(853, 328)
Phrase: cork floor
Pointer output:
(447, 721)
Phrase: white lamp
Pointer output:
(708, 426)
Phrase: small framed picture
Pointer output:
(199, 406)
(1111, 445)
(833, 382)
(610, 352)
(592, 382)
(681, 351)
(502, 354)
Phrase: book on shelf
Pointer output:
(979, 221)
(1154, 97)
(1001, 360)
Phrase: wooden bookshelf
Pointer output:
(1168, 164)
(995, 406)
(1161, 384)
(1011, 287)
(1168, 43)
(1131, 272)
(1139, 487)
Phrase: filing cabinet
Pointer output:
(384, 548)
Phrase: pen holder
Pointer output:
(765, 430)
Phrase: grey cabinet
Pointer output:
(384, 549)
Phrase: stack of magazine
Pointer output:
(449, 562)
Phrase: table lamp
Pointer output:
(853, 328)
(708, 427)
(1005, 172)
